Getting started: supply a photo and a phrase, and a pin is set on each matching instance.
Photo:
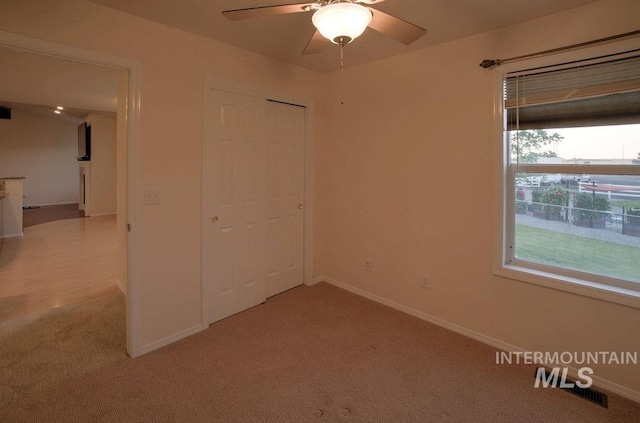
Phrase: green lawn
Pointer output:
(578, 253)
(625, 203)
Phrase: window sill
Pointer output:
(585, 288)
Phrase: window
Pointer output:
(571, 184)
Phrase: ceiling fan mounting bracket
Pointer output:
(317, 4)
(313, 7)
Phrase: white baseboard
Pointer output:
(61, 203)
(169, 339)
(16, 235)
(101, 214)
(121, 287)
(427, 317)
(504, 346)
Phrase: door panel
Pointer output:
(234, 210)
(285, 194)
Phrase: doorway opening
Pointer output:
(126, 160)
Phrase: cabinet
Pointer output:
(12, 206)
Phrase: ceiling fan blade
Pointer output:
(316, 44)
(258, 12)
(394, 27)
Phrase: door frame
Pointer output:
(133, 69)
(214, 83)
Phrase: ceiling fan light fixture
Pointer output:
(341, 22)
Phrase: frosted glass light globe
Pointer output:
(342, 21)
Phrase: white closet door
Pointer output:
(285, 194)
(234, 195)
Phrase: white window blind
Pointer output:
(602, 93)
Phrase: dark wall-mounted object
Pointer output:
(5, 113)
(84, 142)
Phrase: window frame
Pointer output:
(586, 284)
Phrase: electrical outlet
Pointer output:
(424, 282)
(152, 196)
(368, 265)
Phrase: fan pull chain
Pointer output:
(342, 72)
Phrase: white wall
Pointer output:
(410, 183)
(42, 149)
(103, 165)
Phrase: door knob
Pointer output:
(300, 206)
(214, 219)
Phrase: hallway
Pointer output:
(57, 263)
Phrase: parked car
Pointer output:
(575, 178)
(552, 179)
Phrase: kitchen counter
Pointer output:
(3, 189)
(11, 188)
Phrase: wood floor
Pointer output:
(57, 263)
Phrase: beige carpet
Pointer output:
(314, 354)
(42, 350)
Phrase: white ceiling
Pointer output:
(36, 83)
(284, 37)
(28, 79)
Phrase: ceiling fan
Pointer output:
(338, 21)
